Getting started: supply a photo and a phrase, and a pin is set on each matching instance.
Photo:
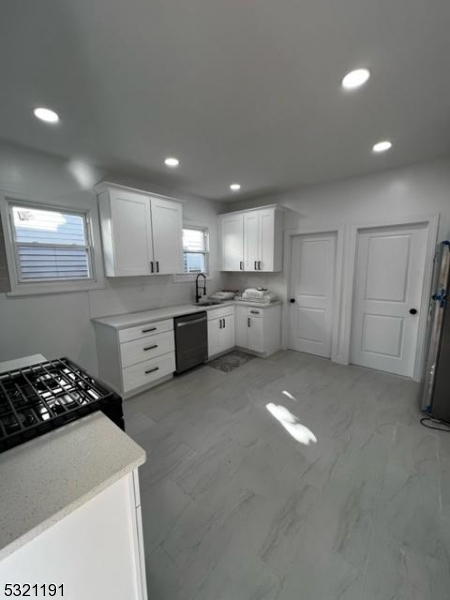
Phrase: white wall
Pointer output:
(59, 324)
(407, 192)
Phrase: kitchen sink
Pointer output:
(207, 303)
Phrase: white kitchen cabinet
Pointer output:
(232, 241)
(135, 358)
(258, 329)
(167, 228)
(94, 552)
(142, 234)
(221, 330)
(261, 246)
(251, 240)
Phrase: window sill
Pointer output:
(39, 290)
(187, 277)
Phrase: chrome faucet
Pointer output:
(197, 295)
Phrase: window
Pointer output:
(195, 250)
(50, 249)
(50, 244)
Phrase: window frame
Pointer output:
(21, 287)
(182, 277)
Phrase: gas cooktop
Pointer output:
(42, 397)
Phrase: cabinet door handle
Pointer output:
(249, 322)
(148, 330)
(152, 370)
(150, 347)
(157, 266)
(220, 323)
(152, 268)
(256, 265)
(224, 323)
(259, 265)
(255, 312)
(241, 265)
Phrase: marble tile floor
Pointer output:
(292, 478)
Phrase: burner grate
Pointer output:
(41, 397)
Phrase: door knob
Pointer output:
(413, 311)
(292, 300)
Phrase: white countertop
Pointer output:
(158, 314)
(44, 480)
(20, 363)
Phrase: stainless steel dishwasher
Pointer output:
(191, 340)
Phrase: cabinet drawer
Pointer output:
(255, 312)
(138, 351)
(148, 371)
(217, 313)
(145, 330)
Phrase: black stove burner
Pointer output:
(13, 422)
(39, 398)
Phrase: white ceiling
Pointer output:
(238, 90)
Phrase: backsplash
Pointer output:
(275, 282)
(132, 294)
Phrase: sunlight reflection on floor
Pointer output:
(291, 423)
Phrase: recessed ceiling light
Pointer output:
(45, 114)
(235, 187)
(355, 79)
(382, 146)
(172, 162)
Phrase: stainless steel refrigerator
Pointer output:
(435, 396)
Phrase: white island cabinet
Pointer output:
(141, 233)
(70, 515)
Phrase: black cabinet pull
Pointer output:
(413, 311)
(148, 330)
(249, 322)
(255, 312)
(152, 370)
(220, 323)
(224, 323)
(256, 265)
(259, 265)
(241, 265)
(152, 268)
(292, 300)
(150, 347)
(157, 266)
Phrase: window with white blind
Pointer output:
(195, 250)
(50, 249)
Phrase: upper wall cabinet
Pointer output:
(252, 240)
(142, 234)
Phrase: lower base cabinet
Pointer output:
(221, 330)
(135, 358)
(259, 329)
(96, 552)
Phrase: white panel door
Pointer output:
(132, 233)
(232, 241)
(167, 227)
(312, 287)
(388, 284)
(251, 241)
